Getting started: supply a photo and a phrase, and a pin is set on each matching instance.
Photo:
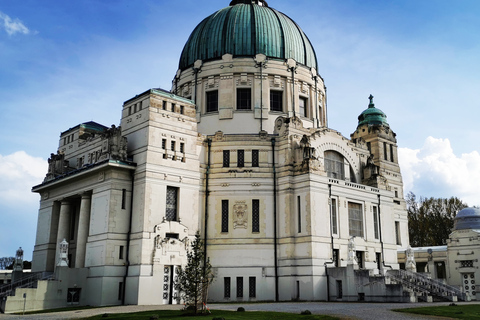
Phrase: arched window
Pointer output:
(334, 165)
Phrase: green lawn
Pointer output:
(466, 311)
(227, 315)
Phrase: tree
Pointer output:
(193, 279)
(430, 220)
(5, 262)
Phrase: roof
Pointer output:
(243, 29)
(372, 116)
(468, 218)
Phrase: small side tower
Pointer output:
(382, 169)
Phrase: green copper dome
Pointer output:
(372, 116)
(247, 28)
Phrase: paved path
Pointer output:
(350, 311)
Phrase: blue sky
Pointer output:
(66, 62)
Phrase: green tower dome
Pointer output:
(244, 29)
(372, 116)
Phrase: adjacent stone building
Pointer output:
(238, 150)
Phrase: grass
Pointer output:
(464, 311)
(227, 315)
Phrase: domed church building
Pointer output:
(239, 150)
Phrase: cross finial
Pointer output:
(371, 105)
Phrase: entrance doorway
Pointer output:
(469, 286)
(170, 294)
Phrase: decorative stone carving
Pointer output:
(57, 166)
(115, 144)
(411, 264)
(352, 257)
(240, 216)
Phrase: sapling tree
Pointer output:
(195, 277)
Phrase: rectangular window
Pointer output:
(339, 289)
(182, 109)
(397, 233)
(164, 105)
(299, 214)
(391, 153)
(120, 291)
(226, 158)
(254, 158)
(276, 100)
(336, 258)
(182, 147)
(239, 287)
(252, 287)
(124, 198)
(171, 204)
(369, 146)
(375, 223)
(120, 252)
(240, 158)
(226, 287)
(334, 216)
(212, 101)
(355, 219)
(130, 110)
(224, 215)
(378, 258)
(385, 151)
(466, 264)
(255, 215)
(302, 106)
(173, 107)
(172, 145)
(359, 255)
(244, 99)
(164, 144)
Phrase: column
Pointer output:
(63, 226)
(83, 226)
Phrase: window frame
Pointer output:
(304, 108)
(275, 105)
(334, 214)
(244, 95)
(240, 158)
(255, 215)
(352, 229)
(255, 158)
(225, 213)
(211, 101)
(173, 214)
(226, 158)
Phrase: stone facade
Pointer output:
(240, 151)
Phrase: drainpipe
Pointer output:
(325, 111)
(293, 90)
(207, 192)
(316, 101)
(275, 218)
(261, 97)
(195, 71)
(127, 249)
(380, 229)
(331, 241)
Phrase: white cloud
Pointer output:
(435, 171)
(13, 26)
(19, 172)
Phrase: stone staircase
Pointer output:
(423, 287)
(27, 281)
